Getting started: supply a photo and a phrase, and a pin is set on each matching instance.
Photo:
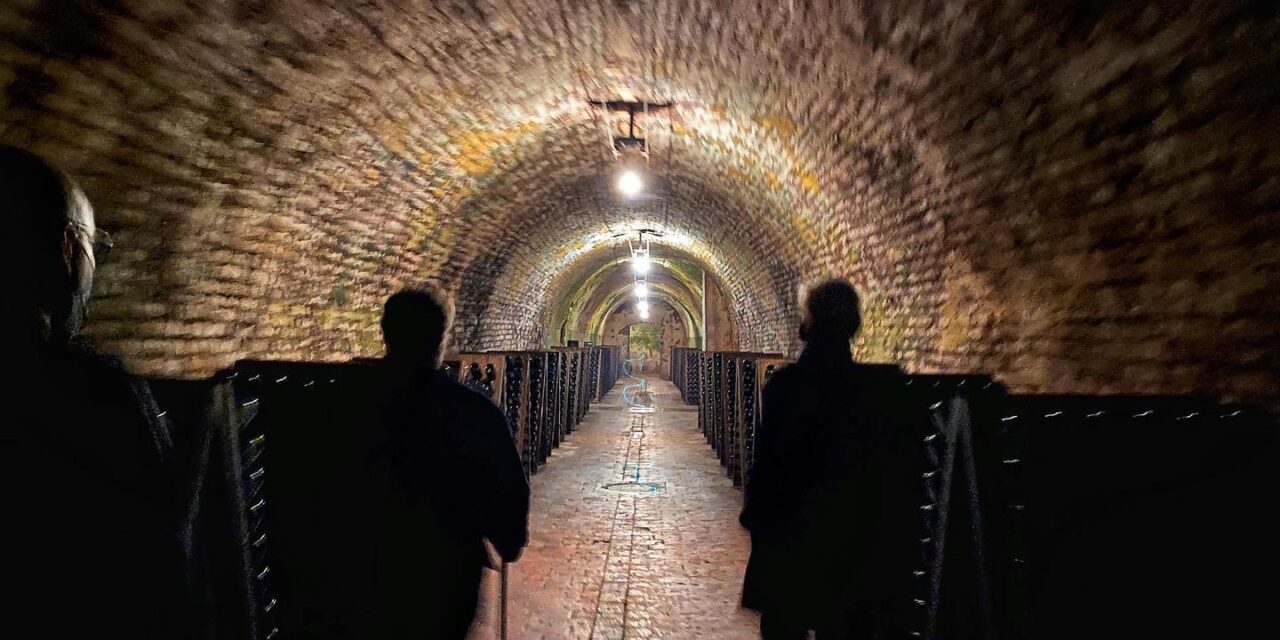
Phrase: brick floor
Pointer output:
(659, 557)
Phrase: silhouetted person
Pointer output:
(89, 513)
(830, 502)
(452, 480)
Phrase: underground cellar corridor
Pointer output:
(633, 534)
(1060, 219)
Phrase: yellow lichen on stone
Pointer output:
(783, 126)
(392, 134)
(809, 180)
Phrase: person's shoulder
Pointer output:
(102, 372)
(787, 372)
(93, 362)
(466, 398)
(879, 383)
(104, 381)
(786, 377)
(478, 413)
(879, 374)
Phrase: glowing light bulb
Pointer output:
(642, 290)
(644, 314)
(629, 183)
(643, 306)
(640, 265)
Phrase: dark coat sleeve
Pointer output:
(505, 513)
(774, 572)
(766, 489)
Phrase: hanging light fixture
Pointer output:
(629, 183)
(640, 255)
(640, 264)
(642, 289)
(643, 306)
(644, 314)
(632, 145)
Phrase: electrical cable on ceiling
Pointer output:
(669, 185)
(653, 50)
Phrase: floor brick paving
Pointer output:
(658, 555)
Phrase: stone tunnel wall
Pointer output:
(1076, 199)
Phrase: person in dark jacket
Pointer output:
(92, 537)
(829, 504)
(451, 479)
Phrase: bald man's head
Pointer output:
(48, 262)
(415, 324)
(830, 311)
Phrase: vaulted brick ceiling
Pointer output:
(1074, 199)
(674, 278)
